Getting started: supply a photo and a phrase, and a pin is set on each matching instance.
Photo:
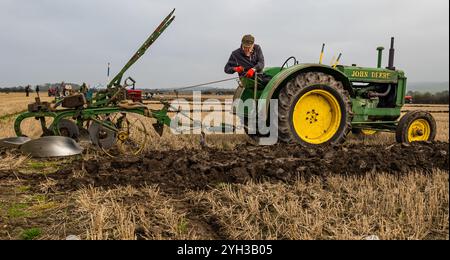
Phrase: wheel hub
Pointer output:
(419, 130)
(122, 136)
(312, 116)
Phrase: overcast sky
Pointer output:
(73, 40)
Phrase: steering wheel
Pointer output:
(287, 61)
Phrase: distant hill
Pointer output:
(431, 87)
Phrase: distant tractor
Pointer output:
(133, 94)
(319, 104)
(408, 99)
(52, 92)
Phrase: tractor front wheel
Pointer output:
(314, 109)
(416, 126)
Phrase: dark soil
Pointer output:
(176, 171)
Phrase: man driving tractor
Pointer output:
(246, 60)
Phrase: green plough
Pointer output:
(108, 117)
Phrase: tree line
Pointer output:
(429, 98)
(44, 87)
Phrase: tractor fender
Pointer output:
(283, 77)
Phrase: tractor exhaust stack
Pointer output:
(380, 56)
(391, 55)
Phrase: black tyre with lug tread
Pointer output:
(301, 85)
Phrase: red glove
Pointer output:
(250, 73)
(239, 69)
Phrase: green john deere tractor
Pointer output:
(319, 104)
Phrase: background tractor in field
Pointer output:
(319, 104)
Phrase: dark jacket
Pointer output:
(238, 58)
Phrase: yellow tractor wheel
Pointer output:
(317, 116)
(416, 126)
(314, 109)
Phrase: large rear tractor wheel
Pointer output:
(314, 109)
(416, 126)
